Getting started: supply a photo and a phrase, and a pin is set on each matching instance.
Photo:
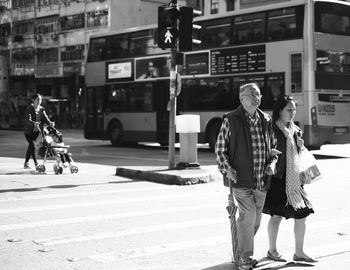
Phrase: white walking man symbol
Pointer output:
(168, 37)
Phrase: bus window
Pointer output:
(215, 33)
(285, 24)
(117, 98)
(207, 95)
(143, 43)
(141, 97)
(117, 47)
(249, 28)
(332, 18)
(97, 49)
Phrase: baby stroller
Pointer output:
(52, 145)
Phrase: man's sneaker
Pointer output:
(252, 261)
(245, 264)
(26, 165)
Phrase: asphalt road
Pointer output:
(13, 144)
(95, 220)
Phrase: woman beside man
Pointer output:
(286, 196)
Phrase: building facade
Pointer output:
(45, 44)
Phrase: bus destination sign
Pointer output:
(238, 60)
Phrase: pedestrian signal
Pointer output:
(167, 26)
(186, 27)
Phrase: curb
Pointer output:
(163, 175)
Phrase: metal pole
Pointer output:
(172, 103)
(172, 109)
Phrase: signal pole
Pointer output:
(172, 103)
(172, 109)
(174, 32)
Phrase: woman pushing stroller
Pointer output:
(35, 118)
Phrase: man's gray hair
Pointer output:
(248, 86)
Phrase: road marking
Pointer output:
(140, 230)
(102, 202)
(158, 249)
(322, 251)
(81, 193)
(35, 224)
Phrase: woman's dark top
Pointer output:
(32, 117)
(276, 197)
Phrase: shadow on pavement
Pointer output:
(63, 186)
(319, 156)
(264, 264)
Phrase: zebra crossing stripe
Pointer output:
(80, 194)
(158, 249)
(140, 230)
(322, 251)
(35, 224)
(97, 203)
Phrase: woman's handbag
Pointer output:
(309, 172)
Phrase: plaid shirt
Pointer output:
(258, 143)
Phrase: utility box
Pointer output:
(188, 126)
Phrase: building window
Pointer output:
(47, 2)
(73, 22)
(23, 27)
(214, 6)
(22, 3)
(97, 18)
(47, 25)
(48, 55)
(5, 53)
(230, 5)
(71, 53)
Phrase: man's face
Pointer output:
(251, 98)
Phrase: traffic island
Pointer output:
(163, 175)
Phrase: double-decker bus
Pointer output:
(300, 48)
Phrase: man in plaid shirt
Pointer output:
(244, 156)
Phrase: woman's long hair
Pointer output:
(279, 105)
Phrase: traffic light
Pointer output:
(186, 27)
(167, 26)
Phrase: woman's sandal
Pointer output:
(275, 258)
(301, 259)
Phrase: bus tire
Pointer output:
(212, 134)
(116, 134)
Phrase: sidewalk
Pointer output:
(203, 174)
(96, 173)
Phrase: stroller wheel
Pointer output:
(41, 168)
(60, 170)
(55, 168)
(74, 169)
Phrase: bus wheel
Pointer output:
(212, 134)
(116, 134)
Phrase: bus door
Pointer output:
(94, 113)
(161, 101)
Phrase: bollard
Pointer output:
(188, 126)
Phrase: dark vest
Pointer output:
(240, 146)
